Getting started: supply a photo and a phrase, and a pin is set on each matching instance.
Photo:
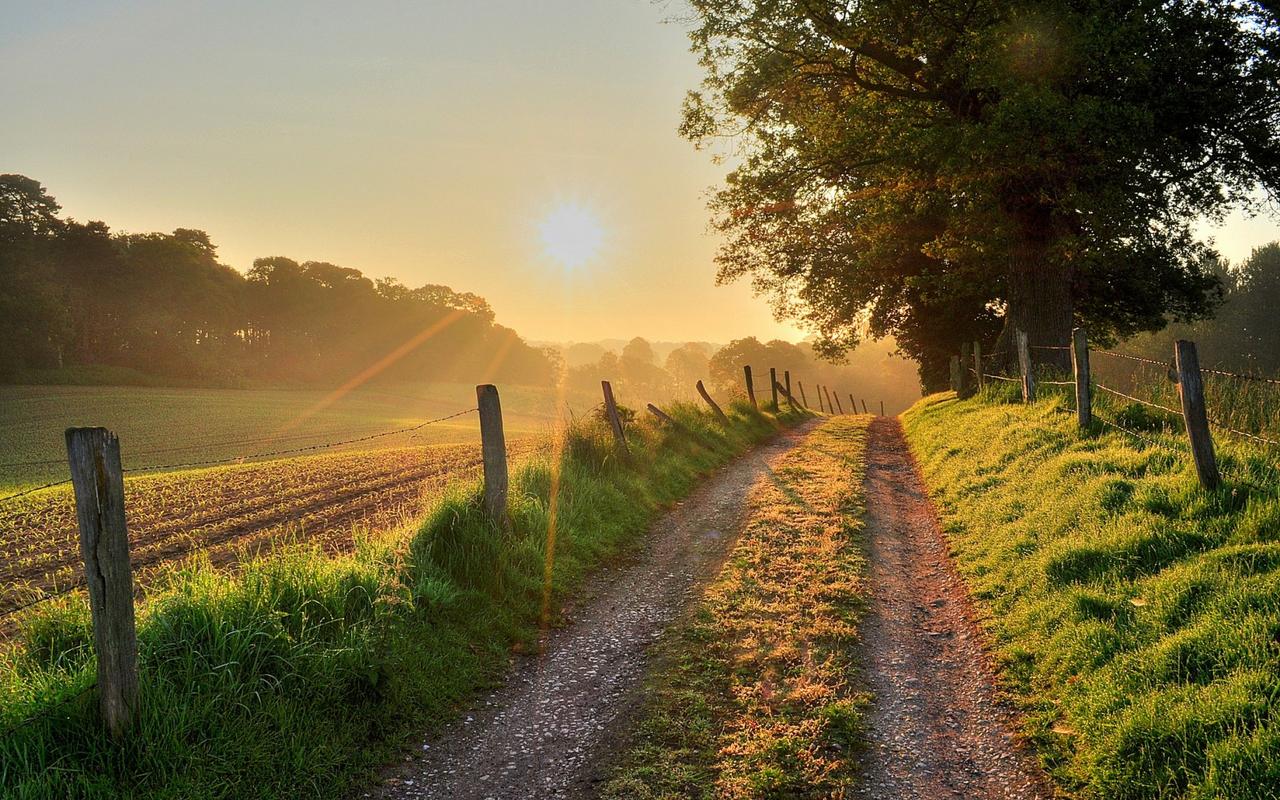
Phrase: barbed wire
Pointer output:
(48, 710)
(1002, 378)
(1241, 376)
(1130, 357)
(37, 601)
(1253, 436)
(1050, 347)
(1137, 399)
(297, 450)
(33, 490)
(1135, 434)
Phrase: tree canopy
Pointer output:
(948, 171)
(75, 293)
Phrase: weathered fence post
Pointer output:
(955, 374)
(864, 407)
(839, 405)
(818, 391)
(882, 408)
(1024, 362)
(831, 409)
(751, 386)
(773, 387)
(493, 451)
(853, 404)
(1080, 366)
(615, 421)
(98, 480)
(977, 364)
(1191, 391)
(786, 384)
(962, 373)
(702, 390)
(803, 400)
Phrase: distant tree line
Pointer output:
(873, 372)
(1245, 333)
(77, 294)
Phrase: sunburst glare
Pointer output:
(571, 235)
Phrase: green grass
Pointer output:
(754, 694)
(1136, 616)
(300, 673)
(160, 426)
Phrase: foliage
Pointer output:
(301, 672)
(1136, 616)
(75, 294)
(940, 172)
(752, 695)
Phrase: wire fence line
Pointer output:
(251, 456)
(1130, 357)
(48, 711)
(1133, 399)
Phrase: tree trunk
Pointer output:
(1039, 300)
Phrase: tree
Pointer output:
(687, 365)
(942, 172)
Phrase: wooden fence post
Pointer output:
(1191, 391)
(1080, 366)
(962, 372)
(955, 374)
(773, 387)
(786, 383)
(882, 408)
(803, 400)
(977, 365)
(831, 409)
(615, 421)
(493, 451)
(1024, 361)
(839, 405)
(818, 391)
(864, 407)
(751, 386)
(853, 404)
(98, 480)
(702, 390)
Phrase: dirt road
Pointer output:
(549, 730)
(937, 728)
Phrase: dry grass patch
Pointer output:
(755, 693)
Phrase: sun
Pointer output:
(571, 235)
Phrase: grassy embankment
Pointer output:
(753, 695)
(295, 675)
(1137, 617)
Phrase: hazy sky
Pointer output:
(441, 142)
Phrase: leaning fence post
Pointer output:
(1024, 362)
(853, 404)
(702, 390)
(803, 400)
(493, 450)
(818, 391)
(1191, 391)
(831, 409)
(955, 374)
(786, 382)
(977, 364)
(98, 480)
(1080, 365)
(751, 386)
(864, 407)
(615, 421)
(773, 387)
(839, 405)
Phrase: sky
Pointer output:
(525, 150)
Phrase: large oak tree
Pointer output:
(949, 170)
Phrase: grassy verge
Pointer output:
(753, 694)
(1137, 617)
(295, 676)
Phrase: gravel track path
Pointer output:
(937, 728)
(551, 729)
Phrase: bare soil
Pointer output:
(937, 728)
(550, 732)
